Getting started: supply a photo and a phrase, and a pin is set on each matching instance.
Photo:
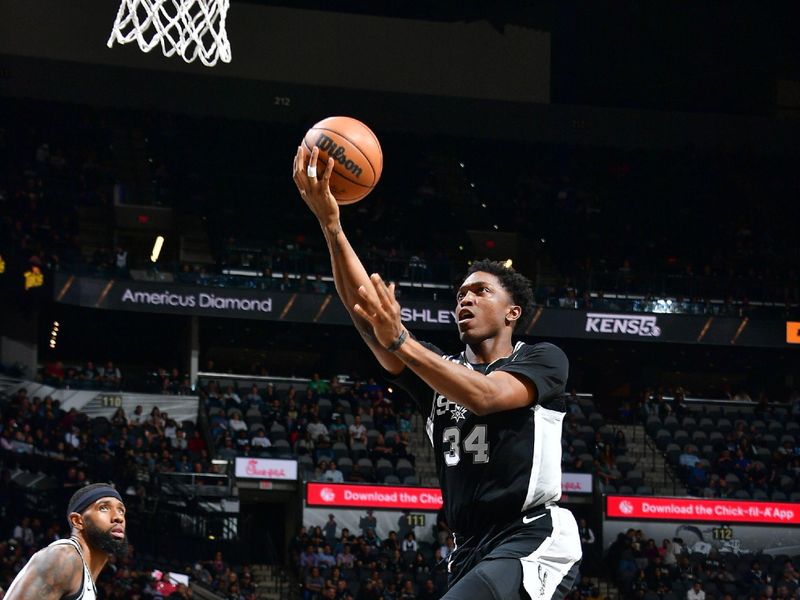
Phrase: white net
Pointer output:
(192, 29)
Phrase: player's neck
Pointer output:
(489, 350)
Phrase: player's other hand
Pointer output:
(315, 191)
(380, 308)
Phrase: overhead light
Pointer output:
(508, 263)
(157, 248)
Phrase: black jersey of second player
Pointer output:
(495, 466)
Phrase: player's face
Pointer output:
(104, 526)
(482, 306)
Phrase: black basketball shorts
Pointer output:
(535, 556)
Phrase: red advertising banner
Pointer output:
(373, 496)
(696, 509)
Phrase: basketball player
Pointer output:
(67, 569)
(494, 416)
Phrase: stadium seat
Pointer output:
(673, 452)
(706, 425)
(663, 439)
(742, 495)
(778, 496)
(671, 424)
(383, 468)
(769, 440)
(775, 428)
(366, 466)
(372, 437)
(410, 480)
(345, 465)
(724, 426)
(733, 481)
(652, 425)
(358, 451)
(644, 490)
(281, 449)
(717, 440)
(635, 478)
(681, 437)
(580, 446)
(277, 432)
(689, 424)
(760, 495)
(595, 421)
(340, 450)
(607, 434)
(325, 410)
(404, 468)
(390, 479)
(625, 464)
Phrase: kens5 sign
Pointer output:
(638, 325)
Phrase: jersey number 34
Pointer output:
(474, 443)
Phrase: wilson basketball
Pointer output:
(356, 152)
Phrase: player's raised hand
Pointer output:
(380, 308)
(314, 187)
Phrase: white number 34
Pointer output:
(474, 443)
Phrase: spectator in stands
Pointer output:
(23, 533)
(308, 557)
(367, 522)
(357, 431)
(253, 397)
(137, 416)
(606, 466)
(409, 544)
(260, 440)
(324, 450)
(231, 399)
(118, 419)
(111, 376)
(345, 558)
(337, 429)
(696, 592)
(89, 375)
(332, 474)
(236, 423)
(325, 558)
(620, 444)
(316, 428)
(588, 543)
(313, 584)
(228, 451)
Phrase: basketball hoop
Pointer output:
(189, 28)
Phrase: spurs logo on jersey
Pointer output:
(504, 462)
(444, 406)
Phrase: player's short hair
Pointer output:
(514, 283)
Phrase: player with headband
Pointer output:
(68, 568)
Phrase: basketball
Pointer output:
(356, 152)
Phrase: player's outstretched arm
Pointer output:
(348, 273)
(481, 394)
(52, 573)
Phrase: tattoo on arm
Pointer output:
(366, 334)
(54, 573)
(335, 241)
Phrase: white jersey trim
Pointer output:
(544, 484)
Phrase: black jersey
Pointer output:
(499, 465)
